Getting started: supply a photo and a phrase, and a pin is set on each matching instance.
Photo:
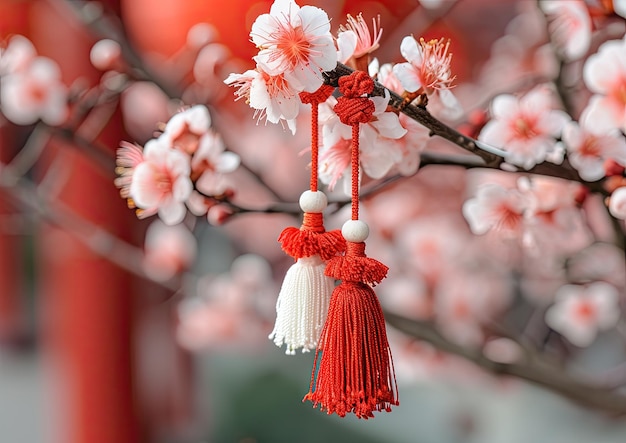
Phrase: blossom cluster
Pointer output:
(31, 87)
(296, 47)
(182, 168)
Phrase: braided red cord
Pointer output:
(314, 99)
(354, 109)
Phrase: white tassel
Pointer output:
(302, 305)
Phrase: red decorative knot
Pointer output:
(313, 221)
(356, 84)
(352, 111)
(319, 96)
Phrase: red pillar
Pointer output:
(86, 302)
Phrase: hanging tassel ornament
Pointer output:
(353, 369)
(304, 296)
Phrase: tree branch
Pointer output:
(532, 368)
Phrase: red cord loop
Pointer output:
(316, 97)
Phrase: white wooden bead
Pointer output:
(313, 201)
(355, 231)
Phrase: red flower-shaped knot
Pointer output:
(356, 84)
(355, 110)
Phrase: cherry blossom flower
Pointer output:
(553, 223)
(570, 26)
(296, 42)
(617, 203)
(428, 66)
(230, 308)
(17, 55)
(33, 93)
(580, 312)
(210, 162)
(161, 182)
(355, 40)
(525, 127)
(589, 148)
(604, 74)
(410, 146)
(495, 208)
(273, 97)
(184, 130)
(168, 250)
(466, 301)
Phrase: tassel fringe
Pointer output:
(302, 305)
(355, 373)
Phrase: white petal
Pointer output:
(407, 76)
(410, 50)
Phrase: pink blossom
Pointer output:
(355, 40)
(230, 307)
(570, 26)
(410, 146)
(161, 182)
(526, 127)
(553, 222)
(185, 128)
(604, 74)
(33, 93)
(295, 42)
(617, 203)
(210, 162)
(466, 301)
(588, 148)
(388, 79)
(272, 96)
(428, 66)
(495, 208)
(17, 55)
(169, 250)
(580, 312)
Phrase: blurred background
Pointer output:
(92, 345)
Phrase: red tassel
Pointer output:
(353, 370)
(355, 373)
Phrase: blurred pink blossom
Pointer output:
(580, 312)
(295, 42)
(34, 92)
(495, 208)
(17, 55)
(168, 250)
(570, 26)
(588, 148)
(525, 127)
(604, 74)
(617, 203)
(161, 182)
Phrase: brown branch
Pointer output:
(532, 368)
